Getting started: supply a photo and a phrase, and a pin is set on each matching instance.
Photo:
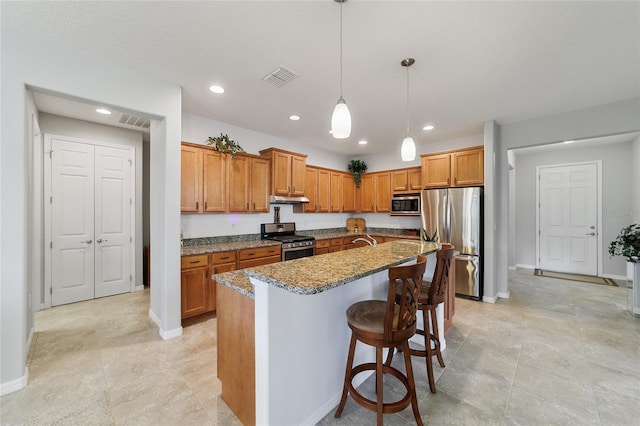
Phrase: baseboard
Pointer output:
(15, 385)
(614, 277)
(523, 266)
(513, 268)
(488, 299)
(166, 335)
(504, 294)
(138, 288)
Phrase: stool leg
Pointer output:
(436, 334)
(429, 357)
(347, 376)
(412, 383)
(379, 385)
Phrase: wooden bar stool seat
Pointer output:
(432, 293)
(386, 324)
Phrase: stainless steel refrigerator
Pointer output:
(454, 215)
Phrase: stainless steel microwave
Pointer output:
(405, 205)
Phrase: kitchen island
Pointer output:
(288, 368)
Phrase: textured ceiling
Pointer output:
(475, 61)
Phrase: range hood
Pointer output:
(279, 199)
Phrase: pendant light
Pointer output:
(341, 117)
(408, 148)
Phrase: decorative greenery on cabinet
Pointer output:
(225, 144)
(357, 167)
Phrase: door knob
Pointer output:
(591, 233)
(87, 242)
(101, 241)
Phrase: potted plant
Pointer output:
(627, 243)
(225, 144)
(357, 167)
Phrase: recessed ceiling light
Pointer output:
(569, 141)
(103, 111)
(216, 89)
(362, 142)
(428, 127)
(294, 117)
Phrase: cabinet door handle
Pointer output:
(254, 206)
(455, 180)
(447, 181)
(205, 205)
(247, 206)
(223, 258)
(195, 261)
(197, 205)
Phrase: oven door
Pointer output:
(298, 252)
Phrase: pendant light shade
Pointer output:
(408, 148)
(341, 120)
(341, 117)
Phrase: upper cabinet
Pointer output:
(335, 193)
(366, 194)
(456, 168)
(249, 184)
(406, 180)
(383, 191)
(203, 180)
(348, 193)
(288, 172)
(317, 189)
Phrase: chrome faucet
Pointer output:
(372, 243)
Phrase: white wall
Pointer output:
(617, 170)
(635, 180)
(391, 159)
(602, 120)
(27, 62)
(64, 126)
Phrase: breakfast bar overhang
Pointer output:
(300, 335)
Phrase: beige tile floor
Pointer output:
(556, 352)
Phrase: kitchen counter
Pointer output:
(311, 275)
(227, 246)
(289, 341)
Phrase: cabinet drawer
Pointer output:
(324, 250)
(336, 242)
(320, 244)
(223, 257)
(259, 252)
(187, 262)
(250, 263)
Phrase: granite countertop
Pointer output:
(329, 235)
(237, 280)
(227, 246)
(311, 275)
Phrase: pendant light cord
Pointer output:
(407, 101)
(341, 50)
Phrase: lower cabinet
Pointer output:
(323, 246)
(197, 288)
(248, 258)
(336, 245)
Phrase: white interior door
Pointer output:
(112, 221)
(568, 218)
(72, 222)
(90, 212)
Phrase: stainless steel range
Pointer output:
(294, 246)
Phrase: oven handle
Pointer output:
(313, 246)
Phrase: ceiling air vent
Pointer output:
(279, 76)
(132, 120)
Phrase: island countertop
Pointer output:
(315, 274)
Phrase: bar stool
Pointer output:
(431, 295)
(386, 324)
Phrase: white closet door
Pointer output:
(112, 221)
(568, 219)
(72, 222)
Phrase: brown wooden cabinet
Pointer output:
(203, 180)
(323, 246)
(456, 168)
(317, 190)
(249, 184)
(348, 193)
(406, 180)
(248, 258)
(288, 171)
(365, 195)
(383, 191)
(347, 242)
(335, 205)
(196, 285)
(336, 245)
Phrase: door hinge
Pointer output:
(130, 278)
(130, 162)
(51, 199)
(50, 290)
(51, 244)
(50, 152)
(130, 239)
(130, 201)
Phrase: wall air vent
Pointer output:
(132, 120)
(280, 76)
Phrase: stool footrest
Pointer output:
(387, 407)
